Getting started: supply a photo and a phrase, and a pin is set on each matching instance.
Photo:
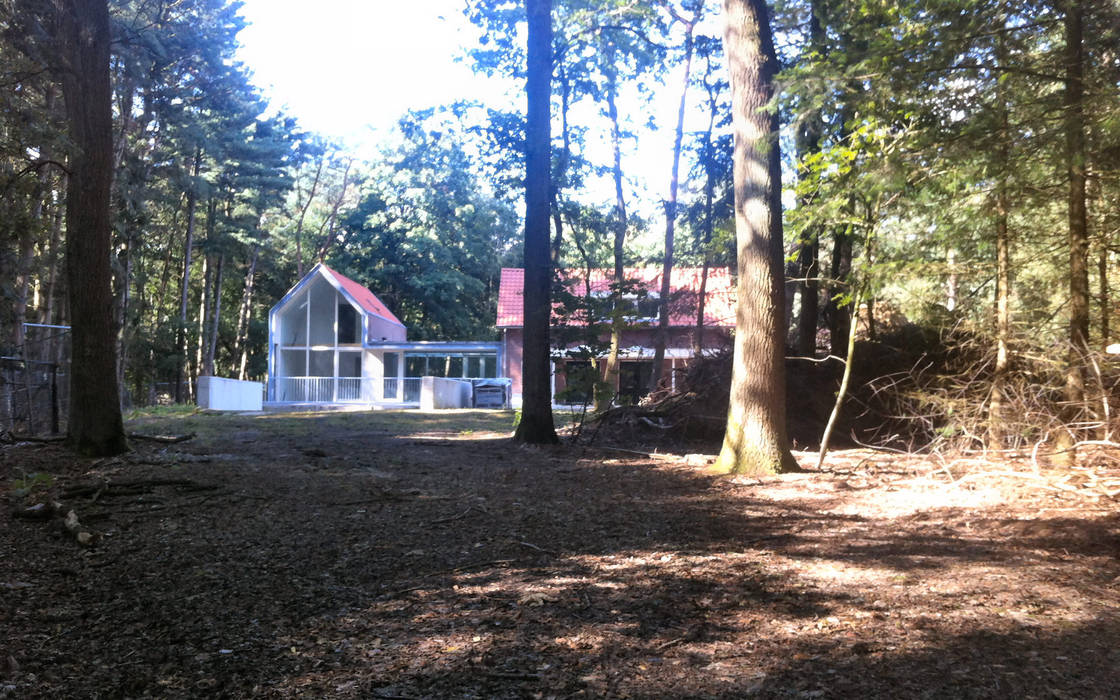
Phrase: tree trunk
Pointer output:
(839, 312)
(1104, 293)
(621, 219)
(215, 319)
(996, 405)
(808, 255)
(1074, 411)
(51, 294)
(671, 216)
(303, 215)
(203, 311)
(536, 425)
(95, 422)
(241, 346)
(332, 219)
(709, 216)
(561, 166)
(184, 289)
(755, 441)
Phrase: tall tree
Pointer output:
(755, 441)
(536, 425)
(1076, 160)
(82, 33)
(671, 202)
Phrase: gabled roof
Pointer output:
(719, 305)
(364, 298)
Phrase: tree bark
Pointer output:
(709, 214)
(184, 289)
(536, 424)
(1073, 98)
(215, 319)
(755, 441)
(839, 313)
(808, 255)
(671, 215)
(303, 215)
(620, 222)
(241, 345)
(561, 166)
(996, 405)
(96, 426)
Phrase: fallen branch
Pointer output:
(460, 516)
(165, 439)
(33, 438)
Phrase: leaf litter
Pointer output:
(340, 556)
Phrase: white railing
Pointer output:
(324, 390)
(401, 390)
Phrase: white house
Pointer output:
(332, 341)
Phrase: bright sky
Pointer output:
(349, 69)
(343, 67)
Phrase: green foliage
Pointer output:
(428, 236)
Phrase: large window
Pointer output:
(633, 380)
(453, 365)
(348, 326)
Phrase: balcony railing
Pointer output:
(401, 390)
(346, 390)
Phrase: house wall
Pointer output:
(222, 394)
(645, 338)
(380, 330)
(513, 352)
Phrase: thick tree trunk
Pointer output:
(95, 422)
(671, 217)
(536, 425)
(1074, 412)
(755, 441)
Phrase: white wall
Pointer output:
(223, 394)
(438, 392)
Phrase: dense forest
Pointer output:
(947, 166)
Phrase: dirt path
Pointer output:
(394, 555)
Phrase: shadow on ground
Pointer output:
(411, 556)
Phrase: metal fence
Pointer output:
(35, 382)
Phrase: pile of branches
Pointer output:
(940, 401)
(915, 389)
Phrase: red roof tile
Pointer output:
(365, 298)
(719, 307)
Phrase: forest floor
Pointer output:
(411, 555)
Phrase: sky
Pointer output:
(350, 68)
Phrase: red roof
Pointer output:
(719, 306)
(365, 298)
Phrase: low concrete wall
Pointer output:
(223, 394)
(437, 392)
